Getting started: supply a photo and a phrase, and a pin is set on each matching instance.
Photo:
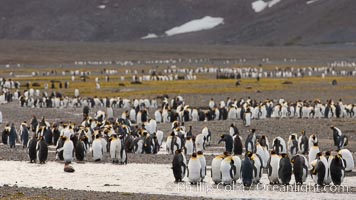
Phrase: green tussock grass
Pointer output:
(206, 84)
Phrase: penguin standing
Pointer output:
(42, 150)
(317, 172)
(200, 142)
(293, 144)
(202, 159)
(247, 170)
(257, 167)
(215, 168)
(227, 138)
(340, 140)
(115, 147)
(179, 165)
(81, 148)
(59, 148)
(237, 163)
(284, 170)
(160, 136)
(24, 134)
(173, 143)
(349, 160)
(337, 169)
(303, 143)
(250, 143)
(279, 145)
(97, 148)
(123, 153)
(314, 149)
(189, 146)
(272, 168)
(227, 170)
(263, 153)
(247, 117)
(32, 145)
(300, 168)
(194, 173)
(237, 145)
(327, 177)
(207, 135)
(68, 151)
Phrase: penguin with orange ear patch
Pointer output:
(179, 165)
(337, 169)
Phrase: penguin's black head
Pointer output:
(178, 151)
(200, 153)
(318, 154)
(292, 137)
(222, 136)
(284, 155)
(226, 153)
(249, 154)
(194, 155)
(327, 153)
(273, 152)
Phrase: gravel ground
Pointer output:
(14, 192)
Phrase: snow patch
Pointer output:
(102, 6)
(149, 36)
(204, 23)
(260, 5)
(311, 1)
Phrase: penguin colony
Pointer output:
(100, 135)
(300, 157)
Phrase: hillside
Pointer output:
(280, 23)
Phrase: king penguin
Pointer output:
(202, 159)
(300, 168)
(227, 138)
(340, 140)
(303, 143)
(194, 172)
(215, 168)
(250, 143)
(337, 169)
(227, 170)
(349, 160)
(68, 151)
(42, 150)
(314, 148)
(189, 146)
(272, 168)
(247, 170)
(317, 171)
(284, 170)
(279, 145)
(97, 148)
(32, 149)
(115, 147)
(179, 165)
(237, 163)
(263, 153)
(237, 145)
(293, 144)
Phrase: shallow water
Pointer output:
(145, 178)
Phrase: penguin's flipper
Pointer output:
(232, 171)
